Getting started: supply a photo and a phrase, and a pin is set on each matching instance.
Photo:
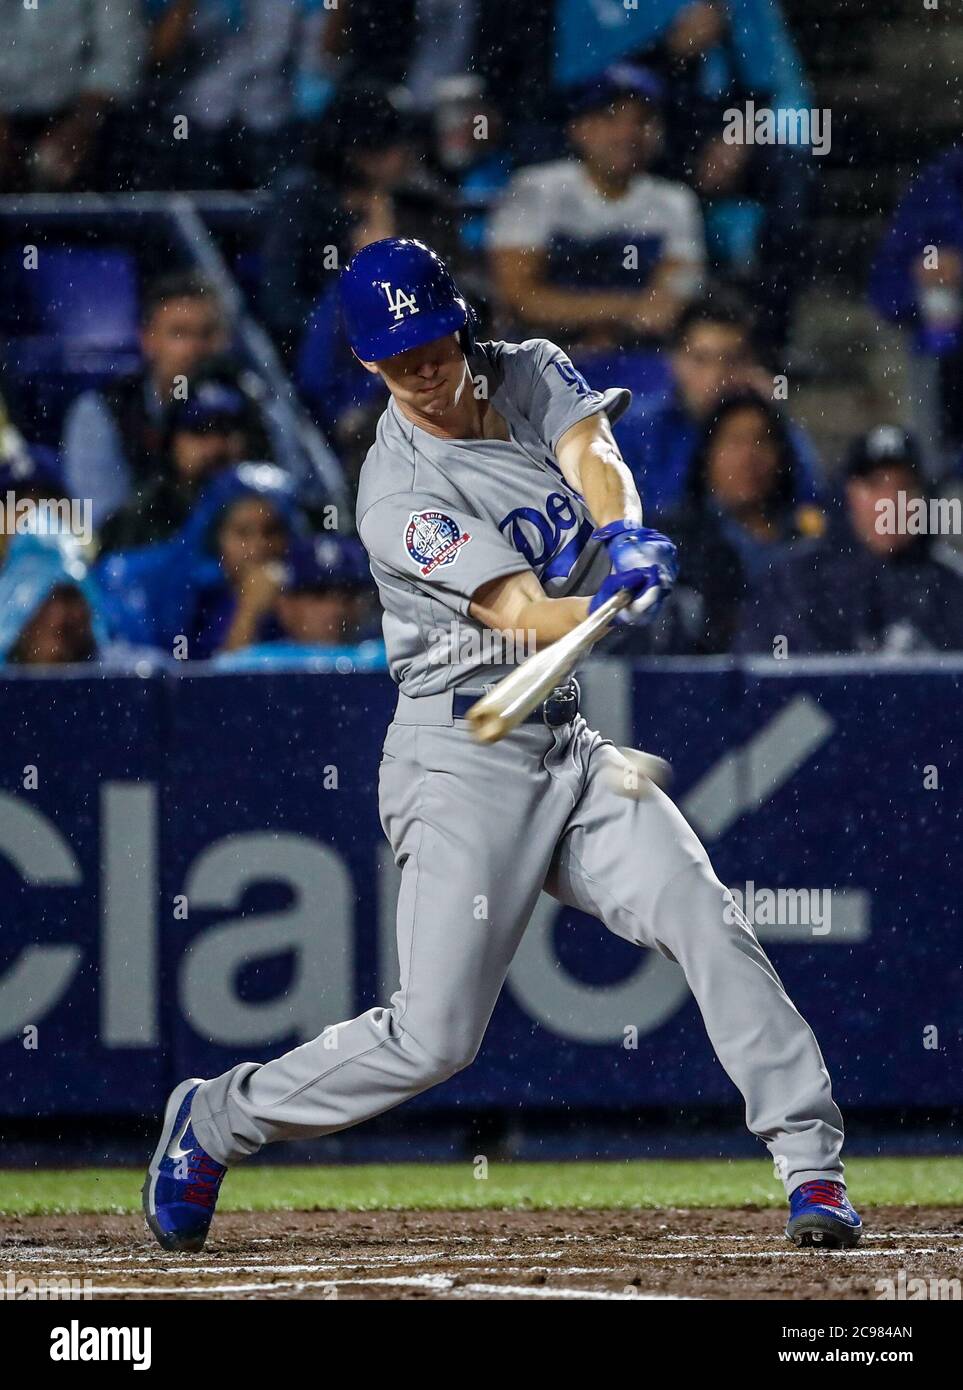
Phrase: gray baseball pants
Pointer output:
(478, 831)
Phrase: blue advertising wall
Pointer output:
(192, 872)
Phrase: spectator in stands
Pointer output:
(374, 186)
(425, 42)
(917, 283)
(713, 58)
(113, 437)
(364, 175)
(212, 586)
(232, 69)
(63, 72)
(467, 145)
(320, 606)
(50, 608)
(754, 200)
(709, 50)
(712, 353)
(864, 586)
(740, 505)
(593, 246)
(215, 428)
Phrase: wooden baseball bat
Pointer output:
(517, 694)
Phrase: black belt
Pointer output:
(560, 707)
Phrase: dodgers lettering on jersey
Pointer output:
(441, 517)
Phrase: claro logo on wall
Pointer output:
(317, 928)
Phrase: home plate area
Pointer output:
(575, 1255)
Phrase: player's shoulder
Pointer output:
(529, 355)
(389, 465)
(514, 368)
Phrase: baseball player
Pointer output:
(494, 500)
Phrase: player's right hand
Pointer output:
(642, 559)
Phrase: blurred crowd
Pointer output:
(574, 173)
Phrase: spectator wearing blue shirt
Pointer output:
(711, 354)
(51, 609)
(211, 587)
(724, 46)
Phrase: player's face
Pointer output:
(743, 460)
(427, 380)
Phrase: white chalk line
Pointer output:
(39, 1254)
(95, 1254)
(255, 1262)
(436, 1283)
(566, 1272)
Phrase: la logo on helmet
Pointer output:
(401, 304)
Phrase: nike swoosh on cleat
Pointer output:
(174, 1149)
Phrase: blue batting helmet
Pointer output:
(397, 294)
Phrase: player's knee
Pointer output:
(446, 1057)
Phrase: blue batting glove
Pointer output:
(641, 559)
(637, 583)
(636, 547)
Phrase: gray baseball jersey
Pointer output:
(496, 824)
(441, 517)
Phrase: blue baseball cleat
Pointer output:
(180, 1190)
(821, 1215)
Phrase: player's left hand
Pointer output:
(636, 551)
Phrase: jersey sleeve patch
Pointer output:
(433, 539)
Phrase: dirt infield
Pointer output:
(716, 1254)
